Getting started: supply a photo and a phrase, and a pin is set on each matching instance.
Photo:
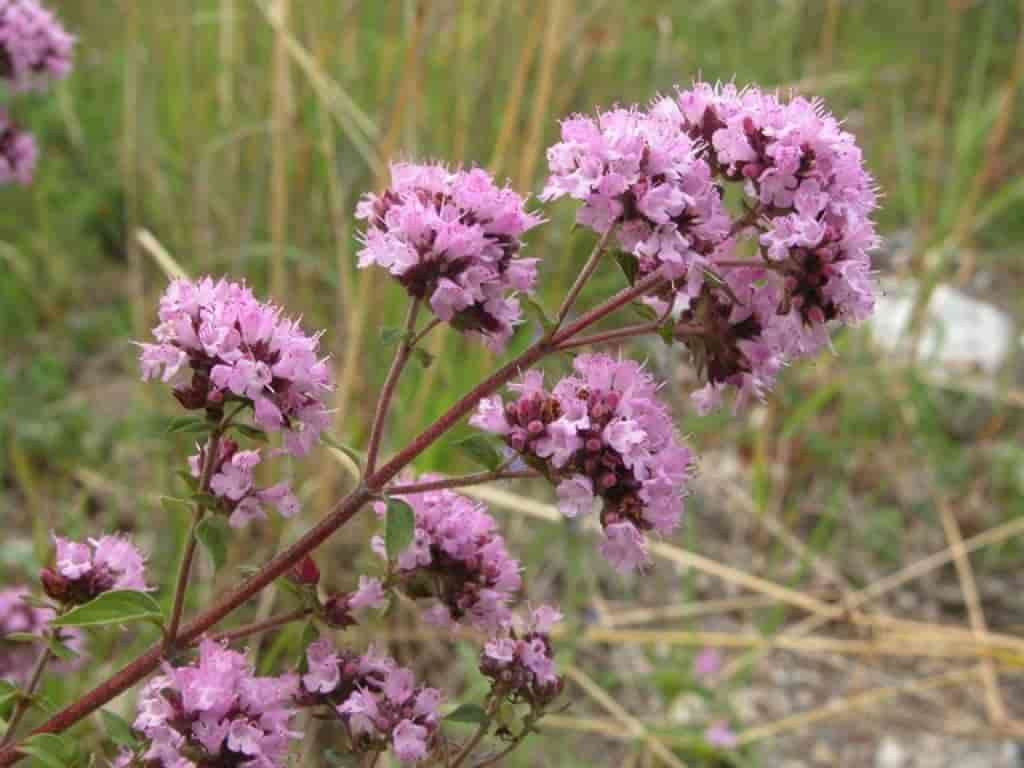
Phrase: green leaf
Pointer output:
(399, 527)
(340, 760)
(9, 693)
(22, 637)
(61, 651)
(352, 453)
(645, 311)
(537, 312)
(421, 356)
(629, 265)
(391, 336)
(192, 483)
(172, 505)
(667, 331)
(212, 533)
(481, 450)
(208, 500)
(251, 432)
(119, 606)
(468, 713)
(48, 748)
(183, 423)
(118, 729)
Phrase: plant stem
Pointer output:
(261, 626)
(339, 515)
(426, 329)
(627, 332)
(462, 481)
(388, 390)
(581, 279)
(25, 700)
(472, 744)
(181, 587)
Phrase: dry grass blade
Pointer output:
(994, 704)
(846, 705)
(171, 268)
(630, 723)
(280, 98)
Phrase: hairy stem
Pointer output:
(339, 515)
(388, 390)
(185, 569)
(462, 480)
(246, 630)
(581, 279)
(627, 332)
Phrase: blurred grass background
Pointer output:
(240, 133)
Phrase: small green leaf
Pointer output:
(399, 527)
(212, 533)
(172, 505)
(118, 729)
(60, 650)
(192, 483)
(421, 356)
(629, 265)
(119, 606)
(480, 449)
(251, 432)
(468, 713)
(340, 760)
(9, 693)
(352, 453)
(537, 312)
(390, 335)
(645, 311)
(36, 602)
(208, 500)
(48, 748)
(22, 637)
(182, 423)
(667, 331)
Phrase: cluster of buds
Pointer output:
(84, 570)
(240, 350)
(34, 48)
(458, 557)
(452, 239)
(601, 433)
(377, 700)
(520, 663)
(231, 482)
(215, 712)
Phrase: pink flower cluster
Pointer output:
(452, 238)
(639, 172)
(601, 433)
(808, 201)
(378, 701)
(231, 481)
(240, 350)
(659, 176)
(18, 616)
(85, 570)
(33, 44)
(457, 553)
(521, 663)
(216, 712)
(17, 153)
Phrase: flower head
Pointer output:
(17, 153)
(520, 660)
(602, 434)
(378, 700)
(458, 555)
(216, 712)
(242, 350)
(636, 170)
(33, 44)
(84, 570)
(232, 482)
(19, 616)
(452, 239)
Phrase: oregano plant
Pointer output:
(737, 290)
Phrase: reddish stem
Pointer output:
(340, 514)
(261, 626)
(462, 481)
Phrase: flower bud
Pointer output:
(338, 612)
(305, 572)
(54, 585)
